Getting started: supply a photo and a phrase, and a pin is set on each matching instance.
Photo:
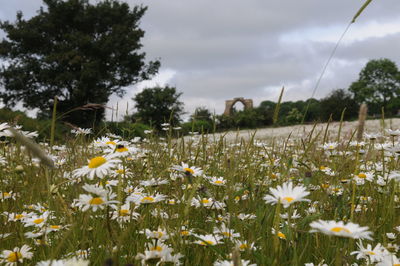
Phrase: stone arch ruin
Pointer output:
(248, 104)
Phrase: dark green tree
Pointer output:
(76, 51)
(335, 103)
(201, 113)
(314, 110)
(158, 105)
(377, 85)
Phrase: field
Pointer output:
(313, 197)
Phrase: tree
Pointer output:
(76, 51)
(378, 83)
(158, 105)
(294, 116)
(335, 103)
(201, 113)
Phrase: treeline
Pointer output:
(310, 111)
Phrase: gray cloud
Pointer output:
(228, 48)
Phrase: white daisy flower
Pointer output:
(153, 182)
(389, 260)
(16, 256)
(350, 230)
(188, 170)
(97, 167)
(330, 146)
(125, 214)
(208, 240)
(138, 199)
(225, 231)
(160, 233)
(159, 251)
(65, 262)
(81, 131)
(373, 255)
(209, 203)
(286, 194)
(86, 202)
(362, 176)
(36, 220)
(7, 195)
(231, 263)
(217, 181)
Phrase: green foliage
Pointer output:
(294, 116)
(158, 105)
(78, 51)
(201, 113)
(335, 103)
(377, 85)
(201, 126)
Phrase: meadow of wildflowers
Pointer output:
(313, 199)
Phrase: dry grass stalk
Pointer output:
(32, 147)
(236, 257)
(362, 116)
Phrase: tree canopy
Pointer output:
(377, 85)
(158, 105)
(76, 51)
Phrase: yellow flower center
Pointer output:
(55, 226)
(243, 246)
(362, 175)
(19, 216)
(6, 194)
(122, 149)
(184, 233)
(371, 253)
(189, 170)
(14, 256)
(219, 182)
(97, 161)
(124, 213)
(111, 143)
(274, 176)
(156, 248)
(205, 201)
(340, 229)
(281, 235)
(288, 199)
(331, 147)
(237, 198)
(325, 186)
(147, 199)
(38, 221)
(227, 234)
(120, 171)
(322, 167)
(207, 242)
(96, 201)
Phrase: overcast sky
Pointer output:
(216, 50)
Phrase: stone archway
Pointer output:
(248, 104)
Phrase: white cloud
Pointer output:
(357, 32)
(217, 50)
(123, 106)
